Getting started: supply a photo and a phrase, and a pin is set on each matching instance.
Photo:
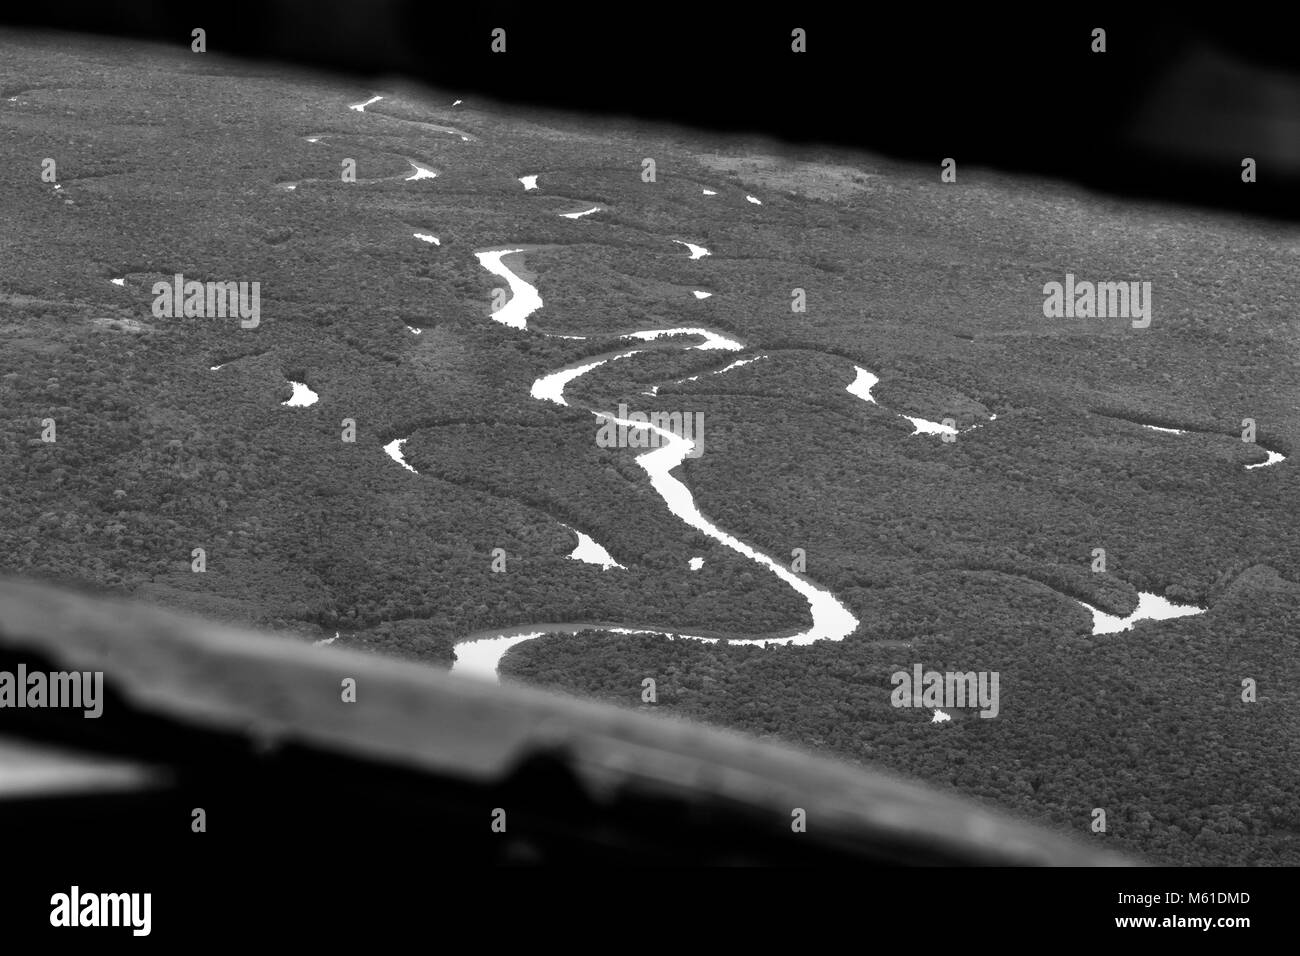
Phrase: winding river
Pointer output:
(361, 108)
(861, 388)
(481, 652)
(1272, 457)
(1150, 607)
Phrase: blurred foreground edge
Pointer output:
(252, 728)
